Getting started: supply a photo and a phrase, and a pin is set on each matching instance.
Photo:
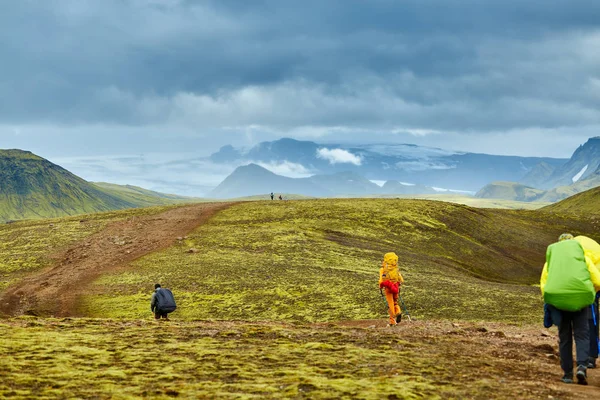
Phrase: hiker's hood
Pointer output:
(390, 259)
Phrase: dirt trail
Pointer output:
(527, 355)
(55, 290)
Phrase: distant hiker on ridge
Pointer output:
(280, 197)
(162, 302)
(569, 283)
(390, 281)
(272, 196)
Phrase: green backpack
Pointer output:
(569, 286)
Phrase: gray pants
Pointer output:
(574, 324)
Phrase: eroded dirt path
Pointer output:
(55, 290)
(523, 358)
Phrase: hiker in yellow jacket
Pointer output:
(390, 281)
(569, 283)
(591, 249)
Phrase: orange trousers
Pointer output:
(393, 307)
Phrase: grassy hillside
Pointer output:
(27, 246)
(286, 196)
(288, 264)
(144, 197)
(587, 202)
(318, 260)
(33, 187)
(92, 358)
(470, 201)
(509, 191)
(563, 192)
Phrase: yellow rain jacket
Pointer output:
(389, 269)
(390, 279)
(591, 248)
(569, 284)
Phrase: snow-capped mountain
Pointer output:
(583, 164)
(399, 162)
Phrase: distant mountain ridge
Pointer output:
(33, 187)
(580, 173)
(509, 191)
(400, 162)
(252, 180)
(584, 163)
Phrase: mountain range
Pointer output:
(406, 169)
(583, 164)
(409, 163)
(547, 184)
(33, 187)
(253, 179)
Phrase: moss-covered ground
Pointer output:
(472, 201)
(262, 288)
(318, 260)
(101, 359)
(28, 246)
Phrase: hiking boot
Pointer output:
(567, 378)
(591, 363)
(392, 325)
(398, 318)
(581, 375)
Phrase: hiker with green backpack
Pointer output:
(390, 281)
(162, 302)
(591, 249)
(569, 283)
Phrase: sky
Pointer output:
(165, 79)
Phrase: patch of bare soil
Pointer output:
(55, 290)
(524, 359)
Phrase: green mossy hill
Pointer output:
(32, 187)
(106, 359)
(509, 191)
(144, 197)
(318, 260)
(27, 246)
(563, 192)
(587, 202)
(471, 201)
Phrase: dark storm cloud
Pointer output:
(448, 65)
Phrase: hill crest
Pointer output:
(33, 187)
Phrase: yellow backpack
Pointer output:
(390, 268)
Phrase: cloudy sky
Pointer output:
(161, 79)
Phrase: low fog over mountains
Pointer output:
(404, 162)
(34, 186)
(345, 170)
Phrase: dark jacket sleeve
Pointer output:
(153, 302)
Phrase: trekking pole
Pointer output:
(596, 327)
(404, 309)
(383, 298)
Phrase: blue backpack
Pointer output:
(165, 301)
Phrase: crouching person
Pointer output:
(390, 281)
(569, 283)
(162, 302)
